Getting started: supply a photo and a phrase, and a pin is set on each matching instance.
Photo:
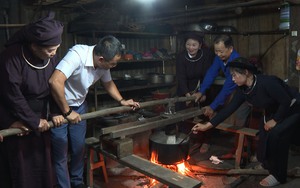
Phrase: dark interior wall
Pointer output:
(260, 37)
(7, 7)
(19, 13)
(259, 26)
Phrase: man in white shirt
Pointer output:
(81, 67)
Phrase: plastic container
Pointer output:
(284, 16)
(160, 95)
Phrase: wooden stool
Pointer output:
(92, 144)
(242, 132)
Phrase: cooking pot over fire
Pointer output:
(169, 149)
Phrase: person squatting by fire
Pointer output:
(279, 125)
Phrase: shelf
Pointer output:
(133, 88)
(248, 33)
(132, 66)
(97, 33)
(144, 60)
(156, 35)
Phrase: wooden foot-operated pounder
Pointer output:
(115, 144)
(99, 113)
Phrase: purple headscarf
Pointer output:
(45, 32)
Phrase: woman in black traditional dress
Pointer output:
(191, 67)
(192, 64)
(25, 67)
(280, 124)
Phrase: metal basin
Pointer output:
(169, 153)
(155, 78)
(169, 78)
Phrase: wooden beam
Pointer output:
(107, 130)
(179, 116)
(198, 169)
(15, 131)
(161, 174)
(294, 172)
(11, 25)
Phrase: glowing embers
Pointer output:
(179, 167)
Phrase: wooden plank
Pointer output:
(237, 129)
(107, 130)
(170, 119)
(206, 170)
(161, 174)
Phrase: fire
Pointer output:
(182, 168)
(179, 167)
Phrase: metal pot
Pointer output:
(201, 27)
(140, 80)
(169, 78)
(208, 26)
(155, 78)
(193, 27)
(169, 153)
(227, 29)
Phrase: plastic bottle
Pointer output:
(284, 16)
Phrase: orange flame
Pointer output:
(179, 167)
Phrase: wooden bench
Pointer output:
(241, 131)
(92, 144)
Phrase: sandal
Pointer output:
(227, 156)
(204, 148)
(231, 155)
(269, 181)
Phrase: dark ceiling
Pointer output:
(112, 13)
(162, 10)
(171, 11)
